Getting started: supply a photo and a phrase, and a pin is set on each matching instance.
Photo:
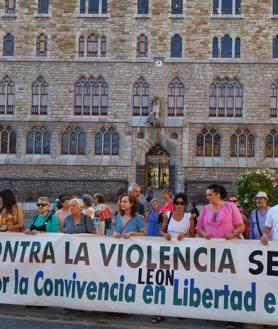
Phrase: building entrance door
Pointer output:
(158, 168)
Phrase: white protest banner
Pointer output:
(194, 278)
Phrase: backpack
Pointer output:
(41, 228)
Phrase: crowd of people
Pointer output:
(220, 218)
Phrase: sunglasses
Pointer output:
(179, 203)
(233, 200)
(42, 205)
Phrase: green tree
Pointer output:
(251, 182)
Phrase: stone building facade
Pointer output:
(213, 70)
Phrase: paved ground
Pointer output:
(13, 316)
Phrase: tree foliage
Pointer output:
(251, 182)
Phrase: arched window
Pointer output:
(73, 141)
(229, 48)
(271, 144)
(43, 6)
(226, 47)
(226, 98)
(175, 98)
(92, 45)
(93, 7)
(142, 46)
(10, 6)
(103, 46)
(141, 95)
(81, 46)
(7, 140)
(40, 96)
(226, 7)
(38, 141)
(237, 48)
(91, 97)
(8, 46)
(7, 96)
(174, 136)
(215, 48)
(176, 7)
(142, 7)
(107, 142)
(41, 45)
(274, 99)
(176, 46)
(208, 143)
(242, 144)
(275, 47)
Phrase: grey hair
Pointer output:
(79, 202)
(132, 186)
(155, 200)
(87, 199)
(44, 199)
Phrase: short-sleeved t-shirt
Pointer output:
(226, 219)
(272, 221)
(86, 225)
(136, 224)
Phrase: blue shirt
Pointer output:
(154, 226)
(254, 231)
(86, 225)
(136, 224)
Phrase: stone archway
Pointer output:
(158, 167)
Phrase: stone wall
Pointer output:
(256, 71)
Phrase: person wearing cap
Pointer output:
(258, 216)
(270, 231)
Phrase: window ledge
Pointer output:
(43, 15)
(176, 16)
(227, 16)
(144, 16)
(220, 59)
(274, 16)
(176, 59)
(93, 59)
(7, 15)
(93, 16)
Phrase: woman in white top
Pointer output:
(178, 224)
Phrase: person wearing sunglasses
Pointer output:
(45, 220)
(178, 224)
(219, 219)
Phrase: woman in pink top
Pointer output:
(168, 205)
(219, 219)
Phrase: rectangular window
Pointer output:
(82, 6)
(176, 7)
(238, 7)
(275, 7)
(227, 7)
(43, 7)
(104, 7)
(143, 7)
(10, 7)
(93, 7)
(215, 7)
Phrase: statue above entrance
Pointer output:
(154, 118)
